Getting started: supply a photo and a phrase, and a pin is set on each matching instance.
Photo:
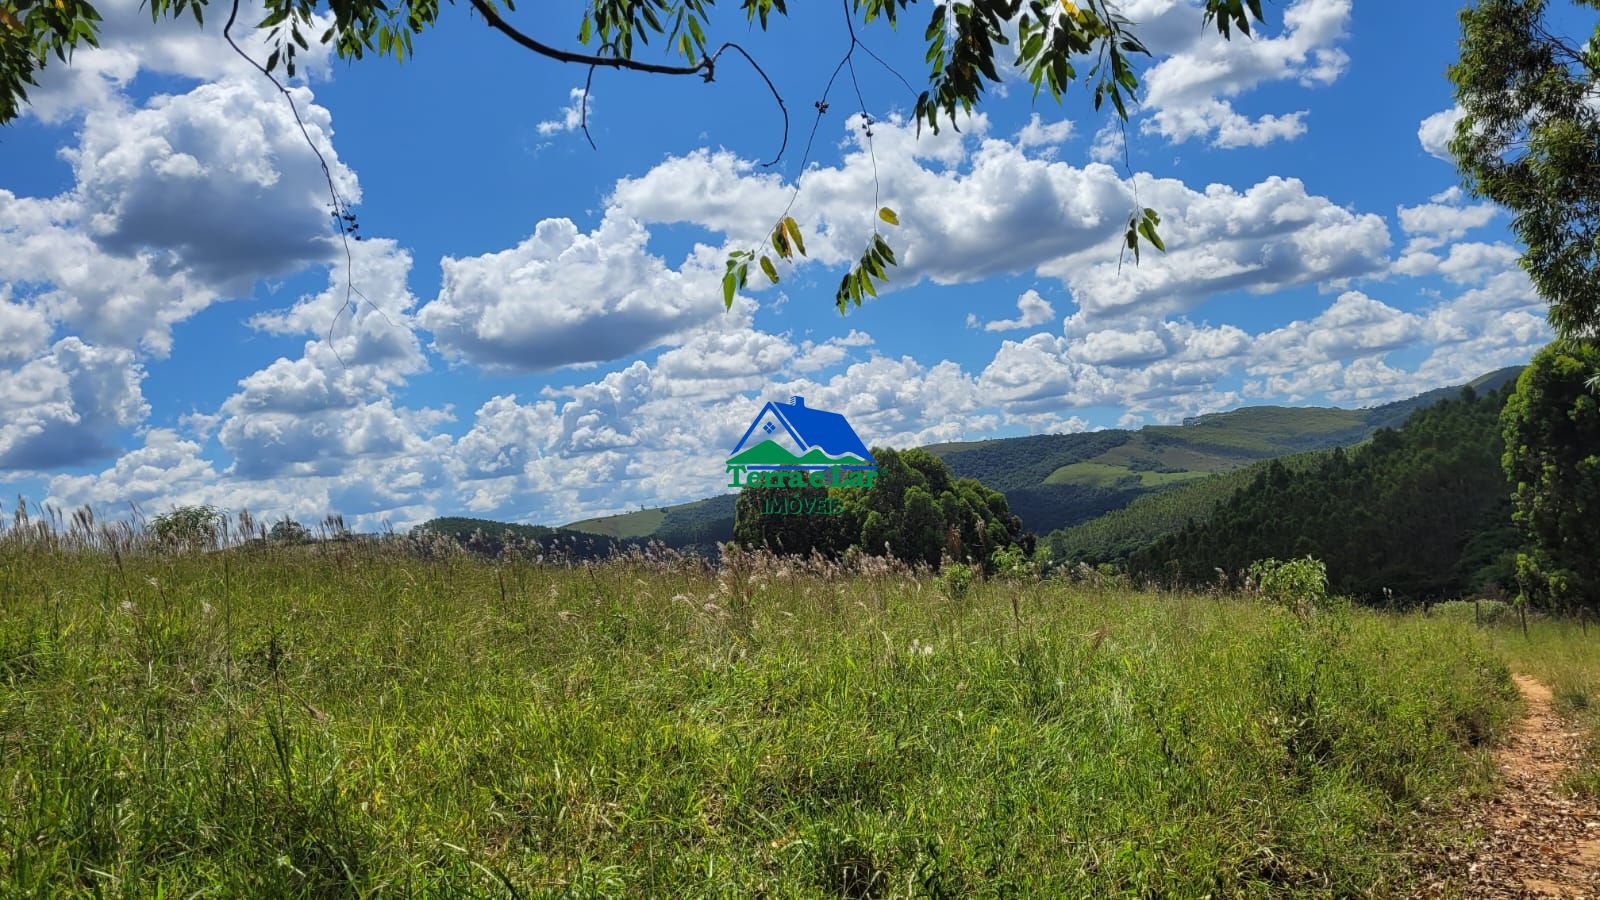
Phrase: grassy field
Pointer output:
(624, 525)
(344, 719)
(1106, 475)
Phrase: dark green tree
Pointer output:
(288, 531)
(915, 511)
(1530, 141)
(801, 533)
(1552, 458)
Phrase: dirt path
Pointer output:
(1537, 842)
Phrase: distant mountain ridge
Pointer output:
(1054, 481)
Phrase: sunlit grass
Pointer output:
(351, 719)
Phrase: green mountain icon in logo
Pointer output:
(770, 453)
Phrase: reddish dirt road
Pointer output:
(1538, 842)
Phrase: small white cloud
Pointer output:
(1109, 145)
(1037, 133)
(1446, 217)
(24, 326)
(1033, 311)
(1437, 130)
(1466, 263)
(572, 115)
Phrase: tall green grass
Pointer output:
(348, 719)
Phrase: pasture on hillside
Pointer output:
(384, 717)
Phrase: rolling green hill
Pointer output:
(1112, 537)
(1055, 481)
(700, 522)
(636, 524)
(1062, 480)
(1417, 512)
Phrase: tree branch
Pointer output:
(706, 68)
(340, 214)
(784, 144)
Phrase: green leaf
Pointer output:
(870, 263)
(1149, 232)
(793, 228)
(769, 268)
(882, 246)
(729, 285)
(888, 215)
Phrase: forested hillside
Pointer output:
(1113, 537)
(1118, 534)
(1054, 481)
(1422, 511)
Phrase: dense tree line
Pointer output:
(1552, 436)
(1418, 512)
(916, 511)
(492, 538)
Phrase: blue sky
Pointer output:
(545, 338)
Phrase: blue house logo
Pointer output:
(795, 445)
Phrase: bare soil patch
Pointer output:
(1537, 841)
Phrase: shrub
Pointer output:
(1488, 611)
(956, 579)
(1300, 585)
(1013, 562)
(188, 527)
